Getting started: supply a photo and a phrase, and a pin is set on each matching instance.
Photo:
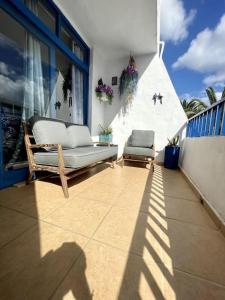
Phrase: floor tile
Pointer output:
(101, 192)
(130, 231)
(196, 250)
(175, 208)
(37, 200)
(13, 224)
(80, 215)
(32, 266)
(106, 273)
(184, 286)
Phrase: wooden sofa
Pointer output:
(63, 149)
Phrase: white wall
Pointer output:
(203, 161)
(166, 119)
(96, 109)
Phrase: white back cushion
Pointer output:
(79, 136)
(47, 131)
(142, 138)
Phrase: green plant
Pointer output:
(105, 130)
(129, 79)
(174, 141)
(193, 107)
(211, 95)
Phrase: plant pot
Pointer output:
(171, 157)
(105, 138)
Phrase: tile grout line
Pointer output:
(128, 252)
(18, 211)
(76, 260)
(69, 269)
(19, 235)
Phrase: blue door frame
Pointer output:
(19, 11)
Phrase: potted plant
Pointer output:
(172, 151)
(105, 136)
(104, 92)
(129, 80)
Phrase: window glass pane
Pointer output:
(71, 43)
(24, 85)
(40, 10)
(69, 91)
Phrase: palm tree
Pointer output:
(193, 107)
(223, 94)
(212, 95)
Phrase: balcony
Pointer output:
(124, 233)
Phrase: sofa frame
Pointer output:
(64, 173)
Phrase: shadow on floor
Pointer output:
(144, 229)
(35, 257)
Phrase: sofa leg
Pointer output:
(122, 162)
(113, 164)
(64, 185)
(153, 166)
(30, 177)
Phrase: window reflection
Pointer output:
(24, 86)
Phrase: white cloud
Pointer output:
(206, 54)
(5, 69)
(175, 20)
(11, 90)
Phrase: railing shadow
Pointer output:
(153, 211)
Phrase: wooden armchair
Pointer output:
(140, 148)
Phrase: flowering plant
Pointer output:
(129, 79)
(104, 92)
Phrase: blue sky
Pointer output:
(194, 54)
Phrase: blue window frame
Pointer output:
(23, 15)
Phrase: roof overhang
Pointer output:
(118, 26)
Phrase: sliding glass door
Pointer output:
(24, 92)
(44, 71)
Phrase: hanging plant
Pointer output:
(129, 80)
(104, 92)
(67, 84)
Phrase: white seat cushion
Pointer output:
(76, 158)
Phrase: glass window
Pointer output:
(39, 9)
(24, 85)
(67, 38)
(69, 91)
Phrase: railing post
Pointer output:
(217, 117)
(222, 132)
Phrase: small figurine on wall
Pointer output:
(57, 105)
(157, 97)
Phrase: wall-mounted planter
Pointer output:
(105, 138)
(171, 157)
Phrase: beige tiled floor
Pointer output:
(123, 234)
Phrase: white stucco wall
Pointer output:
(166, 119)
(96, 109)
(203, 161)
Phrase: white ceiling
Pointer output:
(120, 26)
